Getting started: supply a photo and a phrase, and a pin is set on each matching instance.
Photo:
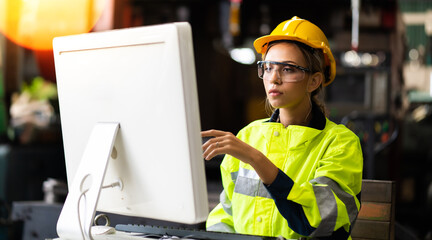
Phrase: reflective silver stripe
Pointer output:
(234, 176)
(248, 173)
(262, 191)
(328, 210)
(221, 227)
(226, 203)
(345, 197)
(328, 207)
(248, 183)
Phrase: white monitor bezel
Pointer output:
(86, 66)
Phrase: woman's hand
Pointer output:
(226, 143)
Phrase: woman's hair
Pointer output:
(315, 61)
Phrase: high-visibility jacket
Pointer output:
(315, 194)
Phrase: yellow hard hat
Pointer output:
(297, 29)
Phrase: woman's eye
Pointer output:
(288, 70)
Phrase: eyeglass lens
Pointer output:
(286, 72)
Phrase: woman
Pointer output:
(296, 174)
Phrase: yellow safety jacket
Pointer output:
(315, 194)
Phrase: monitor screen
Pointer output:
(142, 79)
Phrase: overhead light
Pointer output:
(243, 55)
(355, 59)
(352, 58)
(366, 59)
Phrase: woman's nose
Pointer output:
(275, 77)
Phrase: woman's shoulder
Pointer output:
(333, 128)
(256, 124)
(254, 127)
(259, 122)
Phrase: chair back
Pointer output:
(377, 213)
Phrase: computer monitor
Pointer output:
(131, 126)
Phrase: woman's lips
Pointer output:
(274, 92)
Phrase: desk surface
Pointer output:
(125, 236)
(118, 235)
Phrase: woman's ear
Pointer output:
(315, 81)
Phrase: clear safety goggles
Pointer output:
(287, 72)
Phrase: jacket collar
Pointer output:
(318, 120)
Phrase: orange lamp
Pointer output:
(34, 23)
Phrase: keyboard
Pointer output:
(160, 231)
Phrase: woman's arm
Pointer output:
(227, 143)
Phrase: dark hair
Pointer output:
(315, 61)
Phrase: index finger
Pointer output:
(212, 133)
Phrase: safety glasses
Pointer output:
(287, 72)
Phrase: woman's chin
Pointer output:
(276, 104)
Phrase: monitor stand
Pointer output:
(76, 217)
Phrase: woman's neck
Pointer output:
(299, 115)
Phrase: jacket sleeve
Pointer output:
(220, 218)
(326, 206)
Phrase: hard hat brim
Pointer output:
(261, 43)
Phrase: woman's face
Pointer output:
(286, 94)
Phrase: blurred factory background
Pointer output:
(382, 91)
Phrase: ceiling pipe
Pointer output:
(355, 9)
